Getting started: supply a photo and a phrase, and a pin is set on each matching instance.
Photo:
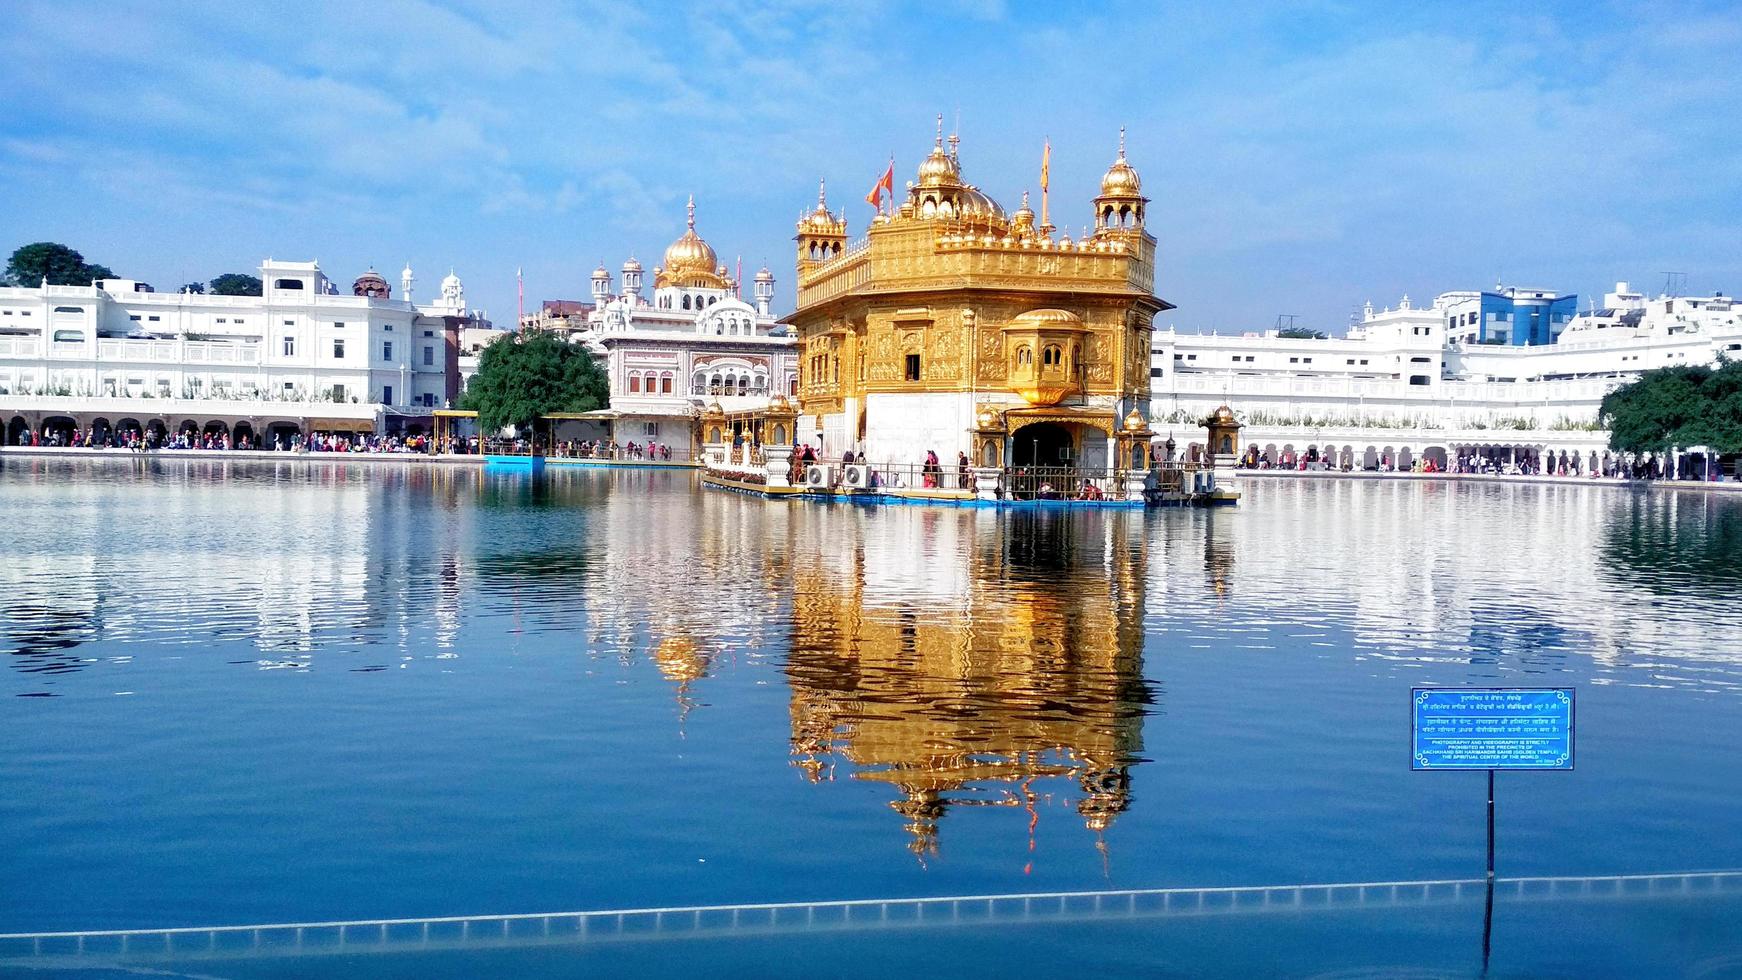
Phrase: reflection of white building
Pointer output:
(693, 342)
(115, 353)
(1408, 379)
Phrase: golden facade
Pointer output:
(950, 297)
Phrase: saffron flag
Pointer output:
(885, 185)
(1045, 165)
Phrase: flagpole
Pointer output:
(520, 298)
(1045, 183)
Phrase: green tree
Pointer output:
(1677, 406)
(523, 376)
(236, 284)
(60, 265)
(193, 287)
(1300, 333)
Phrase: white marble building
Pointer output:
(692, 343)
(1400, 384)
(301, 357)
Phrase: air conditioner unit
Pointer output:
(857, 476)
(817, 477)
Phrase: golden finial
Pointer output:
(939, 142)
(955, 146)
(822, 199)
(1121, 142)
(692, 210)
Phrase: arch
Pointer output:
(242, 434)
(1043, 444)
(128, 427)
(1370, 458)
(686, 301)
(634, 382)
(216, 429)
(101, 430)
(1405, 458)
(1051, 356)
(780, 433)
(1024, 356)
(58, 426)
(280, 435)
(665, 380)
(17, 431)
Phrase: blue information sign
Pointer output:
(1492, 728)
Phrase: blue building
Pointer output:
(1515, 316)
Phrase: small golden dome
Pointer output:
(715, 410)
(1121, 179)
(779, 403)
(690, 254)
(1222, 416)
(1023, 220)
(1134, 421)
(1045, 319)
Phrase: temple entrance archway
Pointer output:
(1043, 444)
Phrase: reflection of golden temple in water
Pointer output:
(1018, 681)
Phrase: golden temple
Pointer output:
(954, 326)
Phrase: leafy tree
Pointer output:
(193, 287)
(236, 284)
(60, 265)
(1300, 333)
(522, 376)
(1677, 406)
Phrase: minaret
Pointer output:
(601, 286)
(821, 235)
(405, 281)
(632, 281)
(764, 291)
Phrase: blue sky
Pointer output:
(1301, 158)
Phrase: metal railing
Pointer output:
(299, 939)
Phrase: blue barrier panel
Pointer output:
(1492, 728)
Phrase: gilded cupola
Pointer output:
(690, 261)
(1120, 205)
(939, 193)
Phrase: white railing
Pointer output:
(363, 936)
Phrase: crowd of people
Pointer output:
(1512, 463)
(141, 440)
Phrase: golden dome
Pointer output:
(690, 254)
(1134, 421)
(779, 403)
(1045, 319)
(1023, 220)
(1121, 179)
(1222, 416)
(715, 410)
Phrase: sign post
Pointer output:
(1491, 728)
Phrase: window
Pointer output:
(388, 327)
(1418, 379)
(650, 430)
(635, 382)
(1051, 356)
(428, 356)
(154, 319)
(134, 317)
(913, 367)
(386, 394)
(429, 399)
(338, 324)
(288, 387)
(69, 337)
(1294, 360)
(387, 350)
(338, 348)
(287, 284)
(290, 323)
(223, 320)
(290, 347)
(1306, 360)
(338, 393)
(1418, 360)
(1024, 356)
(664, 386)
(68, 309)
(429, 333)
